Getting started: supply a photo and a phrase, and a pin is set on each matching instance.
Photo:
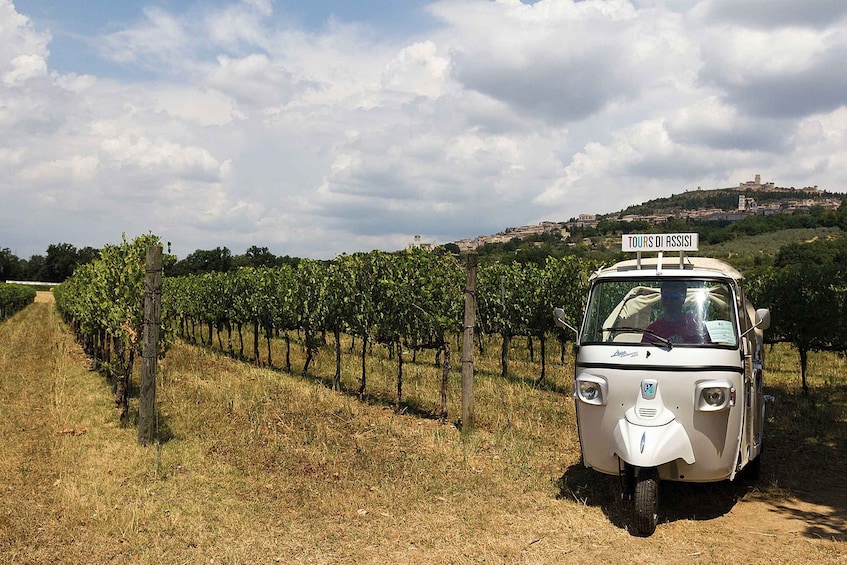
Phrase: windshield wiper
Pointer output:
(651, 333)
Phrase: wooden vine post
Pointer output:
(467, 345)
(150, 349)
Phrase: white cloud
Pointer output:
(165, 157)
(712, 124)
(820, 142)
(25, 67)
(740, 56)
(252, 80)
(19, 38)
(773, 14)
(264, 7)
(239, 24)
(238, 128)
(204, 107)
(161, 38)
(559, 60)
(73, 82)
(417, 69)
(72, 170)
(24, 57)
(10, 159)
(775, 71)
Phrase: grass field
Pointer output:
(261, 466)
(744, 251)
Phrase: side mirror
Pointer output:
(763, 318)
(559, 318)
(763, 321)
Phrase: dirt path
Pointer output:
(739, 522)
(30, 355)
(44, 297)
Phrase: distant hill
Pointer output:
(716, 205)
(728, 199)
(745, 225)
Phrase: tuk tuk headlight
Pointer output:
(591, 390)
(713, 396)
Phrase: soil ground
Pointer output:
(796, 512)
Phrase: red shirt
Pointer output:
(685, 330)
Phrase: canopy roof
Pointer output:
(672, 265)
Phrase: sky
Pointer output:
(316, 128)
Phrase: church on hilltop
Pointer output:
(756, 184)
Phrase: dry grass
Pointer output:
(261, 466)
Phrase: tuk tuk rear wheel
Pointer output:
(647, 501)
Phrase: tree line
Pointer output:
(61, 260)
(59, 263)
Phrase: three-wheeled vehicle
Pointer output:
(668, 372)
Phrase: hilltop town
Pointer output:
(774, 200)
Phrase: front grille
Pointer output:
(647, 412)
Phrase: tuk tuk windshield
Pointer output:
(667, 311)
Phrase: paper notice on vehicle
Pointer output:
(720, 331)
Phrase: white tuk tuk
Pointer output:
(668, 372)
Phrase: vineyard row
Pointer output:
(13, 298)
(412, 299)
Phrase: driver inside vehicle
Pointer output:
(675, 325)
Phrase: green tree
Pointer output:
(13, 298)
(803, 300)
(819, 252)
(105, 298)
(218, 259)
(60, 262)
(451, 248)
(436, 285)
(362, 313)
(568, 278)
(338, 302)
(310, 285)
(256, 257)
(503, 307)
(10, 265)
(35, 269)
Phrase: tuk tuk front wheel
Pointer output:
(647, 501)
(753, 470)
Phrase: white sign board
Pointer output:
(660, 242)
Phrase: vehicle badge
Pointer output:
(643, 440)
(648, 389)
